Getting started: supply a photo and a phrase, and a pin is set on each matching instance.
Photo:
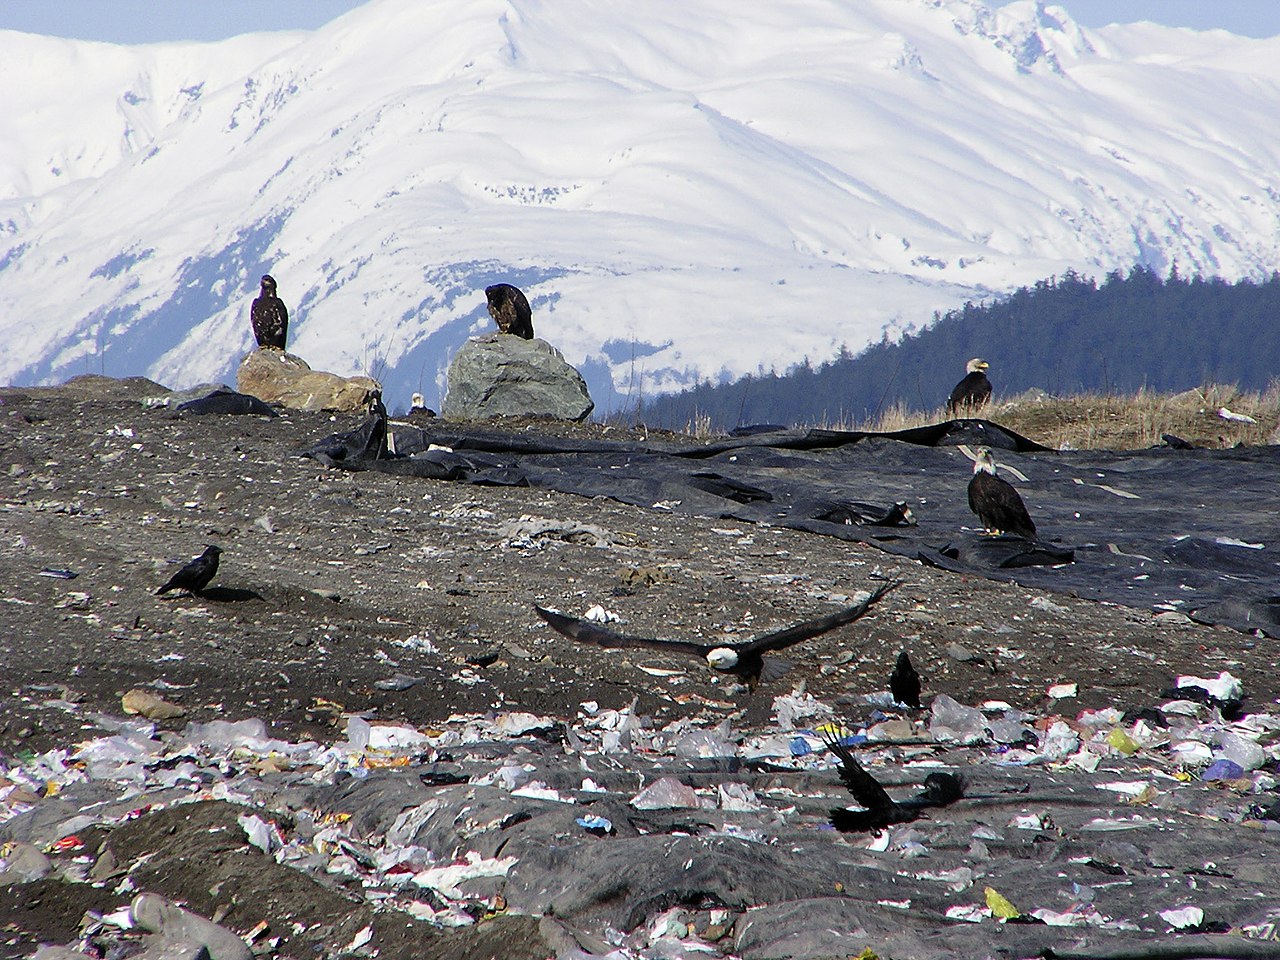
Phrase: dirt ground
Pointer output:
(410, 600)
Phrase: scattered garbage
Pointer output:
(486, 815)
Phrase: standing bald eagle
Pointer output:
(996, 503)
(269, 316)
(974, 390)
(510, 310)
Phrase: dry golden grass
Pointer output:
(1114, 422)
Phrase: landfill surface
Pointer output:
(361, 741)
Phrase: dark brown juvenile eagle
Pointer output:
(746, 660)
(269, 316)
(510, 310)
(996, 502)
(195, 574)
(974, 390)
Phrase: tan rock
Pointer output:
(146, 704)
(274, 376)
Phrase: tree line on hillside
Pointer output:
(1063, 335)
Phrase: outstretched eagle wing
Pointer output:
(584, 631)
(781, 639)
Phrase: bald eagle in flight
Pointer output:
(745, 660)
(269, 316)
(996, 502)
(974, 390)
(510, 310)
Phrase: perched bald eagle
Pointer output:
(510, 310)
(974, 390)
(996, 502)
(746, 659)
(269, 316)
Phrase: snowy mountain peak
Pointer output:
(684, 191)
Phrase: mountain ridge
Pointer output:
(683, 195)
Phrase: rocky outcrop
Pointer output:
(274, 376)
(504, 375)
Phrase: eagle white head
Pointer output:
(417, 400)
(976, 365)
(983, 462)
(722, 658)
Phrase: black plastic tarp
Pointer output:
(1194, 531)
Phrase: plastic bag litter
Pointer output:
(738, 797)
(707, 743)
(363, 736)
(798, 706)
(1183, 918)
(265, 836)
(953, 721)
(446, 879)
(1223, 688)
(666, 793)
(1240, 750)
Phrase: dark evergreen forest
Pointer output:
(1064, 335)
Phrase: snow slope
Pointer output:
(685, 190)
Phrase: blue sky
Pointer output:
(144, 21)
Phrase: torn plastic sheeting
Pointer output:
(1189, 504)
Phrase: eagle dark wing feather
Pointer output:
(999, 506)
(865, 788)
(973, 391)
(780, 639)
(584, 631)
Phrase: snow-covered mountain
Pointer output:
(686, 190)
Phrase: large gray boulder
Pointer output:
(504, 375)
(274, 376)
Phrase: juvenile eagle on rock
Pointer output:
(974, 390)
(745, 660)
(269, 316)
(510, 310)
(995, 501)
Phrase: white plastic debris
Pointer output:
(797, 706)
(362, 736)
(1183, 918)
(706, 743)
(1027, 821)
(1059, 741)
(738, 797)
(953, 721)
(259, 832)
(1224, 687)
(1241, 750)
(1046, 605)
(1061, 691)
(598, 614)
(1231, 415)
(446, 879)
(362, 938)
(968, 912)
(666, 793)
